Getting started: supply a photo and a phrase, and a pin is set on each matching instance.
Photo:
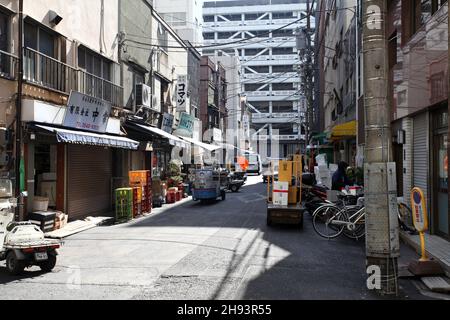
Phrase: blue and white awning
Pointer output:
(93, 139)
(173, 140)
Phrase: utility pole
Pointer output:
(18, 135)
(382, 232)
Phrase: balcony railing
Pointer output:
(8, 65)
(50, 73)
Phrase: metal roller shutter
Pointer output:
(421, 153)
(89, 181)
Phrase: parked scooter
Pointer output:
(22, 244)
(314, 195)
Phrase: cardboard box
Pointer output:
(281, 193)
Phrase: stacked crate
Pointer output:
(125, 204)
(143, 180)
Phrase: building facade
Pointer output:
(337, 61)
(418, 72)
(213, 98)
(184, 16)
(269, 59)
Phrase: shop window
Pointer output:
(45, 172)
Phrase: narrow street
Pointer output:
(193, 251)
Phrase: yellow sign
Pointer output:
(420, 217)
(419, 209)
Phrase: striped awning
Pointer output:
(89, 138)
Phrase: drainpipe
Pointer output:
(19, 210)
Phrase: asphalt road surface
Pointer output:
(192, 251)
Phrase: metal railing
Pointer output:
(51, 73)
(8, 65)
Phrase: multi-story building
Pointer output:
(71, 101)
(418, 73)
(150, 69)
(337, 61)
(213, 97)
(184, 16)
(261, 34)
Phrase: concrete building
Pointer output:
(269, 59)
(418, 72)
(69, 145)
(213, 97)
(184, 16)
(337, 62)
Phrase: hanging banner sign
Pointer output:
(182, 94)
(87, 113)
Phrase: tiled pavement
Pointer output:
(436, 247)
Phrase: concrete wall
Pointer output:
(191, 30)
(83, 21)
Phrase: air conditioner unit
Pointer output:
(143, 95)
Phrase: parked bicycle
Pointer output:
(332, 220)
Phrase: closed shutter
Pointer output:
(421, 154)
(89, 181)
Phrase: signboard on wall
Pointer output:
(182, 94)
(186, 126)
(167, 122)
(87, 113)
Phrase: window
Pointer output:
(5, 61)
(175, 19)
(282, 15)
(39, 39)
(208, 18)
(163, 37)
(208, 35)
(282, 33)
(282, 51)
(94, 63)
(282, 86)
(285, 68)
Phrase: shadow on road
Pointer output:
(310, 268)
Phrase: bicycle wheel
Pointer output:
(325, 219)
(359, 230)
(405, 217)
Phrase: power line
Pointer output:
(216, 45)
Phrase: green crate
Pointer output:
(124, 204)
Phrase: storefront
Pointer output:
(162, 145)
(441, 215)
(344, 138)
(72, 167)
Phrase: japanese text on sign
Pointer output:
(87, 113)
(182, 94)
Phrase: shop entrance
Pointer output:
(45, 168)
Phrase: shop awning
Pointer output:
(93, 139)
(344, 130)
(208, 147)
(173, 140)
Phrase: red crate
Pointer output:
(171, 197)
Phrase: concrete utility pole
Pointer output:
(382, 232)
(18, 143)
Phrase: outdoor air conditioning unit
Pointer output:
(143, 96)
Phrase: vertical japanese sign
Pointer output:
(87, 113)
(182, 94)
(167, 122)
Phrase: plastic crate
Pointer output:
(125, 204)
(139, 178)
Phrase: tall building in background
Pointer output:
(184, 16)
(269, 60)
